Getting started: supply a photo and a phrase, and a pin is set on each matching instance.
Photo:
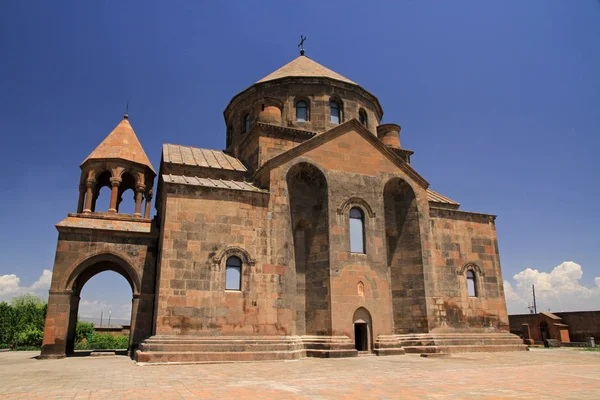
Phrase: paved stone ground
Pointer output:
(538, 374)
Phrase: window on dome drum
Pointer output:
(471, 286)
(362, 117)
(335, 111)
(246, 123)
(357, 230)
(228, 137)
(301, 111)
(233, 274)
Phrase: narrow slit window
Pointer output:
(335, 111)
(246, 123)
(301, 111)
(471, 285)
(233, 274)
(357, 231)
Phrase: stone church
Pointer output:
(310, 234)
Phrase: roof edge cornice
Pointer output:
(332, 134)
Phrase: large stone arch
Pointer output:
(309, 216)
(63, 302)
(83, 270)
(405, 257)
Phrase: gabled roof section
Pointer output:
(197, 157)
(304, 67)
(121, 143)
(352, 125)
(550, 315)
(435, 197)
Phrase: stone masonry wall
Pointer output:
(356, 174)
(201, 228)
(462, 240)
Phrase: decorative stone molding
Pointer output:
(233, 251)
(472, 266)
(356, 201)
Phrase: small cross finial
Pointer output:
(126, 116)
(301, 44)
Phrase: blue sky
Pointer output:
(499, 100)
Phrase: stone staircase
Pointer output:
(387, 345)
(329, 346)
(207, 349)
(460, 342)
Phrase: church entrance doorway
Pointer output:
(363, 330)
(361, 338)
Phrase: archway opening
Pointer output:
(102, 193)
(126, 199)
(104, 315)
(101, 316)
(307, 189)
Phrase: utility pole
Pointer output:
(109, 314)
(534, 304)
(101, 315)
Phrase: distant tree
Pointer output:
(27, 315)
(6, 324)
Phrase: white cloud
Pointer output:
(558, 290)
(10, 286)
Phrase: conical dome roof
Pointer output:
(303, 66)
(121, 143)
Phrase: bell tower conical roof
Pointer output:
(122, 143)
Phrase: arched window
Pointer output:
(471, 285)
(233, 273)
(301, 111)
(334, 107)
(362, 117)
(246, 123)
(357, 230)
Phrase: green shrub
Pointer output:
(84, 330)
(31, 337)
(103, 341)
(22, 321)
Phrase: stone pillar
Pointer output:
(134, 341)
(57, 324)
(89, 196)
(139, 194)
(115, 182)
(81, 200)
(148, 203)
(72, 326)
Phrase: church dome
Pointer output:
(303, 95)
(303, 66)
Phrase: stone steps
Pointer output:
(464, 349)
(201, 349)
(461, 343)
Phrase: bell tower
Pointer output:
(120, 163)
(91, 241)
